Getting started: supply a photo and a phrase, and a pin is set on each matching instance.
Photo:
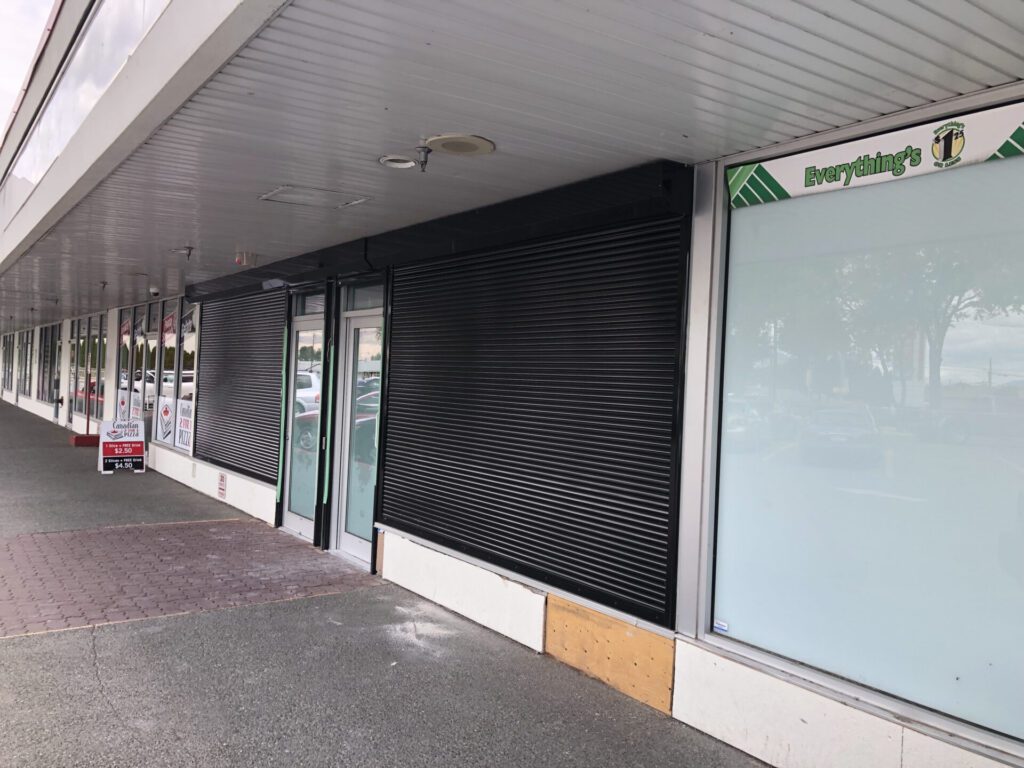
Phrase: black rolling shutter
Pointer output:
(238, 399)
(531, 411)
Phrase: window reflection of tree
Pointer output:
(837, 323)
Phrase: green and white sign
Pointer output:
(973, 138)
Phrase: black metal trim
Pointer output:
(651, 190)
(382, 431)
(321, 518)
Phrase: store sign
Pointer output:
(122, 446)
(978, 137)
(165, 420)
(185, 425)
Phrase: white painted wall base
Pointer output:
(80, 427)
(497, 603)
(36, 408)
(243, 493)
(7, 396)
(789, 726)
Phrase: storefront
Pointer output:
(522, 393)
(853, 492)
(777, 440)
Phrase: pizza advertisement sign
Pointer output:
(122, 446)
(164, 422)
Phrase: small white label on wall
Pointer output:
(222, 486)
(720, 626)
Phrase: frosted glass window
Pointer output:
(871, 472)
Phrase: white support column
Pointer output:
(65, 371)
(110, 372)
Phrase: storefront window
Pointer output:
(163, 428)
(124, 364)
(80, 365)
(139, 361)
(309, 304)
(369, 296)
(871, 473)
(25, 363)
(186, 380)
(48, 383)
(7, 363)
(97, 351)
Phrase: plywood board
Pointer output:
(630, 659)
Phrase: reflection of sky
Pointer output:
(21, 23)
(973, 344)
(112, 35)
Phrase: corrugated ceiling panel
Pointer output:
(568, 90)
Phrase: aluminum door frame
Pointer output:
(341, 540)
(292, 521)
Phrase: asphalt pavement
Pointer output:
(368, 676)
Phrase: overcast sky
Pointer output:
(21, 24)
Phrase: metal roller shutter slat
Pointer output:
(532, 403)
(238, 407)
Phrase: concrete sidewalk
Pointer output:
(46, 485)
(369, 675)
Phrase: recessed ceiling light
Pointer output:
(396, 161)
(460, 144)
(313, 197)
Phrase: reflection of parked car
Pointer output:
(368, 403)
(306, 428)
(974, 417)
(364, 386)
(148, 389)
(842, 436)
(188, 385)
(744, 429)
(364, 439)
(307, 391)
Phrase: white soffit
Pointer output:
(567, 90)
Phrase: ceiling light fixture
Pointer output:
(399, 162)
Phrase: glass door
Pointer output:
(302, 446)
(362, 390)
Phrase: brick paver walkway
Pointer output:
(66, 579)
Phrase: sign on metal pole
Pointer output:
(122, 446)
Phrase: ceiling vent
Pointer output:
(312, 197)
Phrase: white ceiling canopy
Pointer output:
(565, 90)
